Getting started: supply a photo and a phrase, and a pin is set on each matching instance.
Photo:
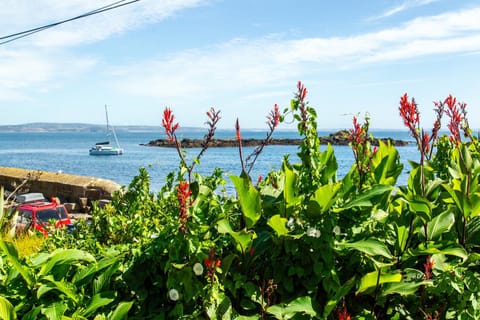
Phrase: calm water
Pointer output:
(68, 152)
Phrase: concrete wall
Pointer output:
(68, 188)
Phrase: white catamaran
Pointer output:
(105, 148)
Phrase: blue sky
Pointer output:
(241, 57)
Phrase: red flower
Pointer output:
(274, 117)
(167, 123)
(428, 266)
(302, 90)
(456, 112)
(425, 142)
(356, 134)
(410, 114)
(211, 263)
(183, 193)
(344, 315)
(237, 130)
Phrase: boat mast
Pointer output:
(111, 129)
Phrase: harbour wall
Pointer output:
(78, 191)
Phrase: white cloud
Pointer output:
(244, 64)
(408, 4)
(34, 14)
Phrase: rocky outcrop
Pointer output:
(338, 138)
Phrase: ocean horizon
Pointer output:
(67, 152)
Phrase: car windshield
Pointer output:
(62, 213)
(47, 214)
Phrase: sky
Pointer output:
(356, 58)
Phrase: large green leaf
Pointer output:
(49, 284)
(401, 237)
(102, 282)
(330, 165)
(278, 224)
(99, 300)
(7, 312)
(372, 279)
(54, 311)
(421, 206)
(12, 255)
(365, 198)
(85, 274)
(439, 224)
(299, 306)
(249, 199)
(323, 198)
(121, 311)
(65, 256)
(452, 250)
(243, 238)
(370, 247)
(402, 288)
(386, 164)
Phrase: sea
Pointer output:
(67, 152)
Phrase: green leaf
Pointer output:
(422, 207)
(401, 238)
(299, 306)
(324, 198)
(340, 293)
(364, 199)
(402, 288)
(249, 199)
(86, 274)
(440, 224)
(54, 311)
(7, 312)
(243, 238)
(99, 300)
(278, 224)
(290, 190)
(65, 256)
(50, 284)
(370, 247)
(456, 251)
(121, 311)
(372, 279)
(12, 255)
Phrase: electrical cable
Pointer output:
(19, 35)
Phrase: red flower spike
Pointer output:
(428, 266)
(167, 123)
(456, 112)
(410, 115)
(273, 117)
(237, 130)
(344, 315)
(183, 193)
(425, 142)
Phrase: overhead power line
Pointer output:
(19, 35)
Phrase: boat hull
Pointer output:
(103, 152)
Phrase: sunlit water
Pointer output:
(68, 152)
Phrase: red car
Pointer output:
(35, 211)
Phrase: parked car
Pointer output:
(34, 211)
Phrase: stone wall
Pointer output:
(81, 190)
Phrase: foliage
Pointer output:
(302, 243)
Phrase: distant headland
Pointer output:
(338, 138)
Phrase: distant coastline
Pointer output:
(39, 127)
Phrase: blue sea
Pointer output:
(68, 152)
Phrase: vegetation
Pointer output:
(298, 244)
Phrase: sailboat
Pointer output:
(105, 148)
